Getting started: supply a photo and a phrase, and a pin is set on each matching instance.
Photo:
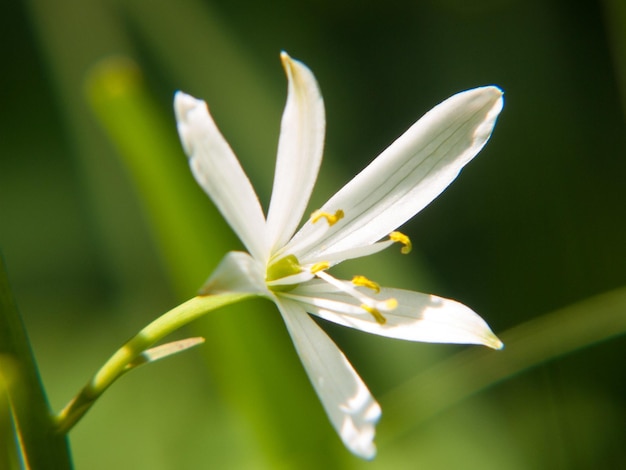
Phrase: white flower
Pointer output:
(290, 267)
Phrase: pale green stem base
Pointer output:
(118, 363)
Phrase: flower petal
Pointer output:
(336, 257)
(407, 176)
(418, 317)
(237, 272)
(351, 408)
(300, 151)
(217, 170)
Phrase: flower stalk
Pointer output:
(127, 356)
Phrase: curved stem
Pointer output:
(118, 362)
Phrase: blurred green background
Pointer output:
(103, 228)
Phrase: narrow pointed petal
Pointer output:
(294, 279)
(418, 317)
(336, 257)
(408, 175)
(300, 151)
(237, 272)
(350, 406)
(217, 170)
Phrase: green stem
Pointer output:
(118, 362)
(30, 427)
(615, 14)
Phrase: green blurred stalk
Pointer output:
(528, 345)
(189, 231)
(208, 61)
(32, 442)
(72, 36)
(615, 14)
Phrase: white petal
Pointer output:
(418, 317)
(218, 171)
(237, 272)
(300, 151)
(336, 257)
(294, 279)
(350, 406)
(407, 176)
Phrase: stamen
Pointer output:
(401, 238)
(332, 219)
(365, 282)
(321, 266)
(380, 319)
(371, 305)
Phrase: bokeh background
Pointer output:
(103, 228)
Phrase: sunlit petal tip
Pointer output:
(495, 90)
(496, 95)
(300, 76)
(285, 59)
(495, 343)
(486, 93)
(184, 106)
(183, 103)
(291, 65)
(361, 441)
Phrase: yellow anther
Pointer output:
(375, 313)
(321, 266)
(332, 219)
(401, 238)
(365, 282)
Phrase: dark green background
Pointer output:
(537, 222)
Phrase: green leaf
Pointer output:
(31, 441)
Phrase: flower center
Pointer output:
(289, 267)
